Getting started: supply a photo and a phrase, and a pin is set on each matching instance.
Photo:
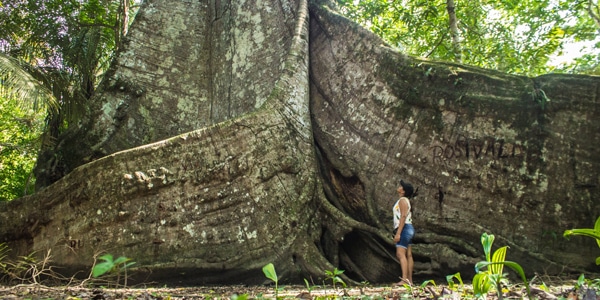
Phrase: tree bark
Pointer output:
(454, 34)
(307, 180)
(184, 66)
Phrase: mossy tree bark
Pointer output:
(303, 132)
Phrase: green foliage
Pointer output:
(426, 283)
(241, 297)
(309, 287)
(58, 49)
(583, 282)
(493, 278)
(269, 271)
(586, 64)
(111, 266)
(452, 284)
(518, 37)
(17, 83)
(20, 131)
(52, 57)
(589, 232)
(334, 277)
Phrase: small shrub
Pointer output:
(269, 271)
(111, 265)
(334, 277)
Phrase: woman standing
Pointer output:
(404, 231)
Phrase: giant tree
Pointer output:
(228, 135)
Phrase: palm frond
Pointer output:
(17, 83)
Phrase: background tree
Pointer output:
(20, 130)
(518, 37)
(21, 125)
(54, 54)
(583, 28)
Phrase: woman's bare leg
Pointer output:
(410, 264)
(401, 255)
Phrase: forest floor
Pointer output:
(566, 290)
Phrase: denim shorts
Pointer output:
(406, 236)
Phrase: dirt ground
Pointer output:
(284, 292)
(222, 292)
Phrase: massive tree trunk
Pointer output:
(305, 124)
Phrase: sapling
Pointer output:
(452, 284)
(308, 286)
(494, 277)
(333, 276)
(269, 271)
(111, 265)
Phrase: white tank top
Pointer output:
(398, 213)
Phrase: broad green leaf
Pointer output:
(499, 256)
(481, 284)
(127, 265)
(517, 268)
(269, 271)
(581, 280)
(121, 260)
(426, 282)
(597, 229)
(339, 280)
(585, 232)
(101, 268)
(107, 257)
